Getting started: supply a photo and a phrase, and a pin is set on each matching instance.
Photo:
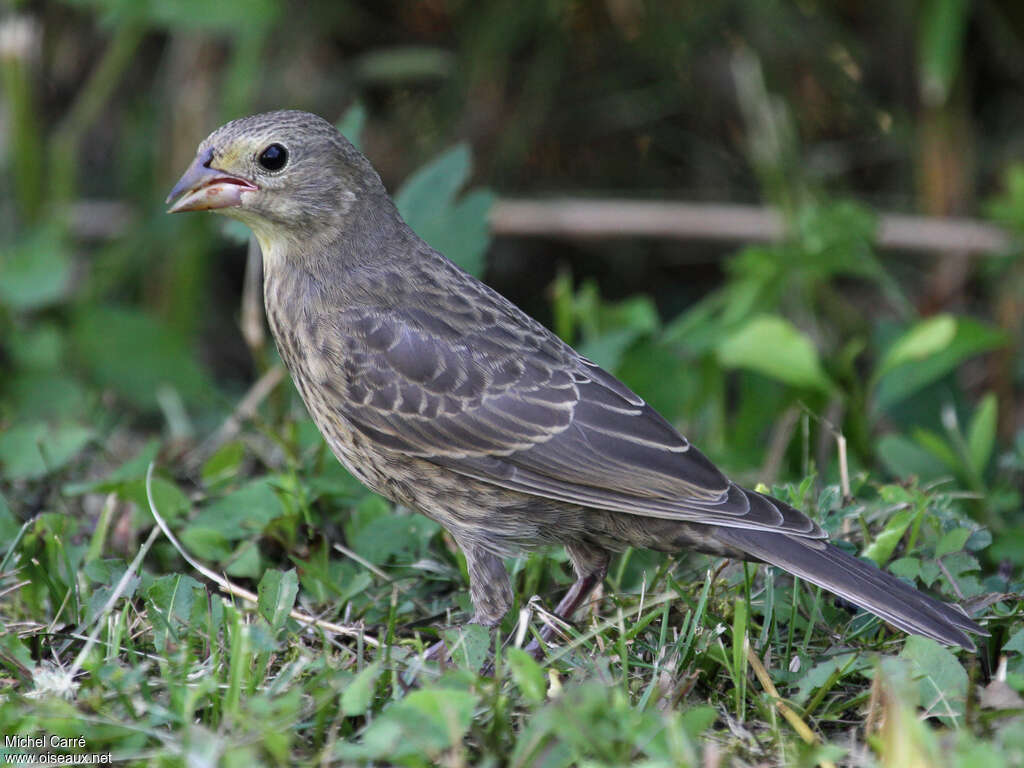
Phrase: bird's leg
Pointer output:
(489, 588)
(591, 565)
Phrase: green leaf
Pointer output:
(242, 513)
(45, 395)
(904, 379)
(33, 450)
(527, 674)
(352, 123)
(224, 464)
(1008, 208)
(941, 679)
(937, 447)
(134, 353)
(981, 434)
(1016, 642)
(132, 469)
(434, 719)
(9, 525)
(881, 549)
(188, 14)
(276, 592)
(391, 536)
(358, 694)
(904, 458)
(952, 541)
(169, 605)
(906, 567)
(427, 201)
(927, 337)
(940, 46)
(774, 347)
(469, 645)
(36, 271)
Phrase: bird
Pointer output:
(440, 394)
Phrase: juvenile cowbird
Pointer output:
(440, 394)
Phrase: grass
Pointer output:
(268, 646)
(250, 603)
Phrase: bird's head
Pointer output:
(290, 176)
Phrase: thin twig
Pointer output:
(244, 411)
(234, 589)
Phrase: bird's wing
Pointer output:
(511, 405)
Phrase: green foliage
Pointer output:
(773, 347)
(458, 228)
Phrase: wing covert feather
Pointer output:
(521, 410)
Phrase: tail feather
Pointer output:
(861, 583)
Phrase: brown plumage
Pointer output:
(440, 394)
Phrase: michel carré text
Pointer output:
(42, 742)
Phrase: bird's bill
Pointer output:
(203, 188)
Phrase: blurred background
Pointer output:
(823, 315)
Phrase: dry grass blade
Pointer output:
(237, 591)
(802, 729)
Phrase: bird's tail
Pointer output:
(861, 583)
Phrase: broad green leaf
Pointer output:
(527, 675)
(941, 679)
(36, 271)
(952, 541)
(134, 353)
(774, 347)
(224, 464)
(33, 450)
(402, 538)
(276, 592)
(358, 694)
(469, 645)
(1016, 642)
(881, 549)
(352, 123)
(981, 433)
(906, 567)
(937, 447)
(47, 395)
(905, 458)
(39, 347)
(904, 379)
(458, 229)
(132, 469)
(169, 603)
(427, 194)
(242, 513)
(928, 337)
(818, 675)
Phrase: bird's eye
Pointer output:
(274, 157)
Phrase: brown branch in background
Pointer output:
(722, 221)
(602, 219)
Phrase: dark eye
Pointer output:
(274, 157)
